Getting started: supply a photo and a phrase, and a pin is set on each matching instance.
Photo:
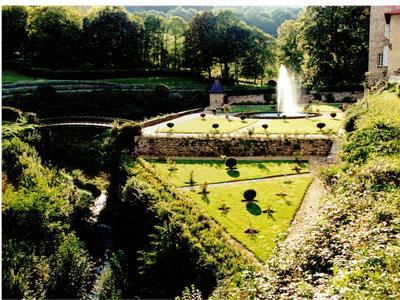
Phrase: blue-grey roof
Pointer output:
(217, 88)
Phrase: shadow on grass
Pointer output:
(254, 209)
(233, 173)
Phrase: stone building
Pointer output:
(217, 94)
(384, 42)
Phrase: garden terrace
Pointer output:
(277, 202)
(179, 172)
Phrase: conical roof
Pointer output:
(217, 88)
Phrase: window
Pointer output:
(380, 60)
(387, 31)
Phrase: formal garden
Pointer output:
(168, 164)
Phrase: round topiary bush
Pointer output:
(203, 115)
(215, 126)
(250, 195)
(321, 125)
(284, 117)
(333, 115)
(170, 125)
(231, 162)
(265, 126)
(242, 117)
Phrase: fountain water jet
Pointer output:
(287, 93)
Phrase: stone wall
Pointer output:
(216, 146)
(246, 99)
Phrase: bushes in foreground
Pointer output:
(169, 240)
(352, 252)
(42, 256)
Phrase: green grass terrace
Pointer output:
(269, 217)
(179, 172)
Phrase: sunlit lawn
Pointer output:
(152, 81)
(199, 125)
(11, 77)
(301, 126)
(255, 108)
(212, 171)
(283, 200)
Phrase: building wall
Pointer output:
(394, 52)
(216, 99)
(376, 39)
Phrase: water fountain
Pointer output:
(287, 93)
(287, 98)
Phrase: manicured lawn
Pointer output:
(198, 125)
(151, 82)
(329, 107)
(252, 108)
(212, 171)
(239, 217)
(11, 77)
(301, 126)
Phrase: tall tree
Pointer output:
(335, 42)
(232, 38)
(288, 48)
(199, 42)
(177, 27)
(55, 33)
(259, 57)
(153, 40)
(14, 19)
(111, 37)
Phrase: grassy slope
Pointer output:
(212, 171)
(353, 251)
(240, 216)
(151, 82)
(198, 125)
(11, 77)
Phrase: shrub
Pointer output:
(265, 126)
(231, 162)
(348, 99)
(215, 126)
(11, 114)
(350, 123)
(321, 125)
(170, 125)
(271, 82)
(250, 195)
(330, 98)
(242, 117)
(203, 115)
(317, 96)
(284, 117)
(333, 115)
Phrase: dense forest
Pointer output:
(233, 43)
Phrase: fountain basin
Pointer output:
(278, 115)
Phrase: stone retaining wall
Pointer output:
(246, 99)
(217, 146)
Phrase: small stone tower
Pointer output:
(217, 94)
